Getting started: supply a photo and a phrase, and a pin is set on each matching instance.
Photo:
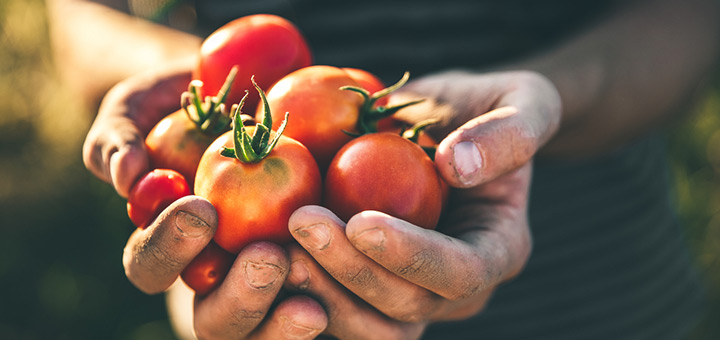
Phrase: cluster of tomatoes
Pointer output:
(314, 141)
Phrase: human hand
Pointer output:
(403, 277)
(114, 149)
(246, 305)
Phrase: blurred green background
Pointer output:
(63, 231)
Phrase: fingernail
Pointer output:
(467, 161)
(299, 276)
(370, 239)
(261, 275)
(295, 331)
(190, 225)
(317, 236)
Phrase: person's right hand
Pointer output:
(154, 257)
(114, 148)
(240, 308)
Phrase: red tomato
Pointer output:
(254, 201)
(208, 269)
(319, 110)
(178, 141)
(256, 182)
(388, 173)
(154, 192)
(263, 45)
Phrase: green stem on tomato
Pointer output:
(253, 149)
(209, 114)
(413, 134)
(369, 113)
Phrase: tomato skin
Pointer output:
(154, 192)
(254, 201)
(266, 46)
(388, 173)
(208, 269)
(176, 143)
(319, 110)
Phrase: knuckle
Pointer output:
(417, 308)
(421, 263)
(159, 258)
(362, 277)
(464, 291)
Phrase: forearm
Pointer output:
(631, 73)
(96, 46)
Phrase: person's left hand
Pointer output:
(380, 277)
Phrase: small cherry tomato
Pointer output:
(154, 192)
(388, 173)
(208, 269)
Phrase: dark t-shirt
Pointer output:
(609, 260)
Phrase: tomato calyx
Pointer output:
(413, 134)
(370, 114)
(252, 149)
(209, 114)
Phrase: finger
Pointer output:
(524, 118)
(322, 234)
(241, 302)
(449, 267)
(154, 257)
(114, 149)
(349, 316)
(296, 318)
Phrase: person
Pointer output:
(559, 225)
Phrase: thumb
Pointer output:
(154, 257)
(503, 139)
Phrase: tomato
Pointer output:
(388, 173)
(256, 183)
(263, 45)
(178, 141)
(319, 110)
(328, 104)
(208, 269)
(154, 192)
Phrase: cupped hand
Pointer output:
(489, 124)
(247, 304)
(114, 149)
(379, 270)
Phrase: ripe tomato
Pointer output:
(178, 141)
(320, 111)
(256, 183)
(263, 45)
(208, 269)
(388, 173)
(154, 192)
